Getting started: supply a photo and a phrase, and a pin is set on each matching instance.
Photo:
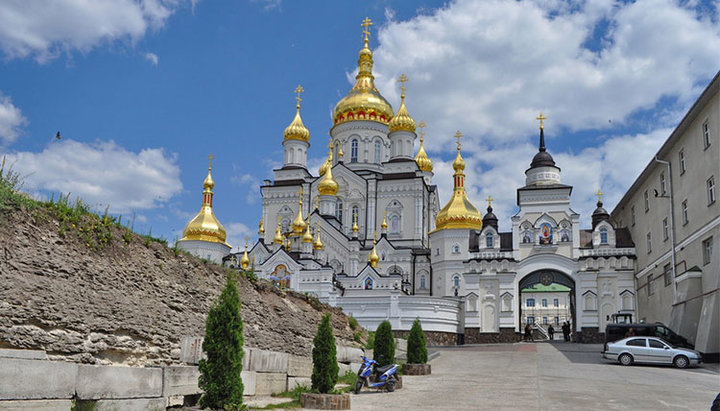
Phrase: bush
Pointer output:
(352, 322)
(324, 353)
(220, 372)
(384, 344)
(416, 348)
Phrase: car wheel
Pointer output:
(681, 361)
(626, 359)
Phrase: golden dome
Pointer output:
(383, 225)
(355, 227)
(205, 226)
(318, 245)
(278, 239)
(307, 237)
(364, 101)
(328, 185)
(459, 211)
(245, 260)
(296, 130)
(261, 227)
(402, 121)
(373, 256)
(299, 225)
(422, 159)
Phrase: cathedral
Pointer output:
(369, 235)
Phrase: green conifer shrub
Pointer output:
(384, 344)
(220, 373)
(324, 353)
(416, 345)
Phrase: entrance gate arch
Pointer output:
(547, 277)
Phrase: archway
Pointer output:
(546, 297)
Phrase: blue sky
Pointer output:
(143, 90)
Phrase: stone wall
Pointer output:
(432, 338)
(506, 335)
(589, 335)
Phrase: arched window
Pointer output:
(394, 224)
(339, 211)
(355, 215)
(456, 281)
(489, 240)
(378, 159)
(603, 235)
(456, 248)
(354, 151)
(422, 282)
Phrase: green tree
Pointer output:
(325, 366)
(384, 344)
(417, 350)
(220, 373)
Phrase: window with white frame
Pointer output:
(684, 212)
(544, 320)
(456, 281)
(378, 159)
(662, 183)
(667, 274)
(556, 302)
(646, 196)
(711, 190)
(648, 237)
(354, 151)
(603, 235)
(339, 211)
(355, 215)
(489, 240)
(423, 285)
(706, 134)
(651, 285)
(665, 229)
(707, 250)
(681, 157)
(530, 302)
(544, 302)
(530, 320)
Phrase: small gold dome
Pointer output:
(261, 227)
(205, 226)
(299, 225)
(355, 227)
(318, 245)
(459, 211)
(364, 101)
(307, 237)
(422, 159)
(245, 260)
(296, 130)
(402, 121)
(373, 257)
(328, 185)
(278, 239)
(383, 225)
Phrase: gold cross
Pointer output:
(541, 117)
(599, 194)
(422, 126)
(366, 24)
(489, 200)
(300, 195)
(330, 144)
(458, 136)
(298, 91)
(210, 159)
(403, 78)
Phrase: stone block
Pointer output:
(298, 381)
(191, 350)
(180, 380)
(369, 352)
(355, 367)
(249, 379)
(36, 379)
(268, 361)
(37, 405)
(101, 382)
(137, 404)
(299, 366)
(343, 369)
(270, 382)
(325, 401)
(23, 354)
(400, 345)
(348, 354)
(247, 353)
(416, 369)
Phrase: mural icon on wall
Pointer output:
(545, 234)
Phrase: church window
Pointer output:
(368, 283)
(456, 248)
(339, 211)
(489, 240)
(291, 156)
(356, 215)
(530, 302)
(456, 282)
(395, 224)
(423, 285)
(378, 159)
(603, 235)
(354, 151)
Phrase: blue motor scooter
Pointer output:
(384, 376)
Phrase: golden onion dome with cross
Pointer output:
(364, 101)
(328, 185)
(299, 224)
(402, 121)
(205, 226)
(297, 130)
(459, 211)
(423, 161)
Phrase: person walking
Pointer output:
(566, 331)
(528, 333)
(551, 332)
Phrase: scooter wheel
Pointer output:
(390, 385)
(358, 385)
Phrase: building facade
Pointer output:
(673, 215)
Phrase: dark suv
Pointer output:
(614, 332)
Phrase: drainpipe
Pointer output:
(672, 225)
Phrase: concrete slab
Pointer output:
(23, 354)
(299, 366)
(249, 379)
(36, 405)
(36, 379)
(298, 381)
(101, 382)
(270, 382)
(348, 354)
(180, 380)
(268, 361)
(141, 404)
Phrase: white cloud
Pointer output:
(236, 233)
(488, 67)
(11, 120)
(269, 5)
(101, 174)
(45, 29)
(152, 58)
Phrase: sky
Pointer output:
(142, 91)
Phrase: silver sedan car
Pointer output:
(650, 350)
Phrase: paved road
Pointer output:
(543, 376)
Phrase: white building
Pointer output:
(673, 215)
(450, 267)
